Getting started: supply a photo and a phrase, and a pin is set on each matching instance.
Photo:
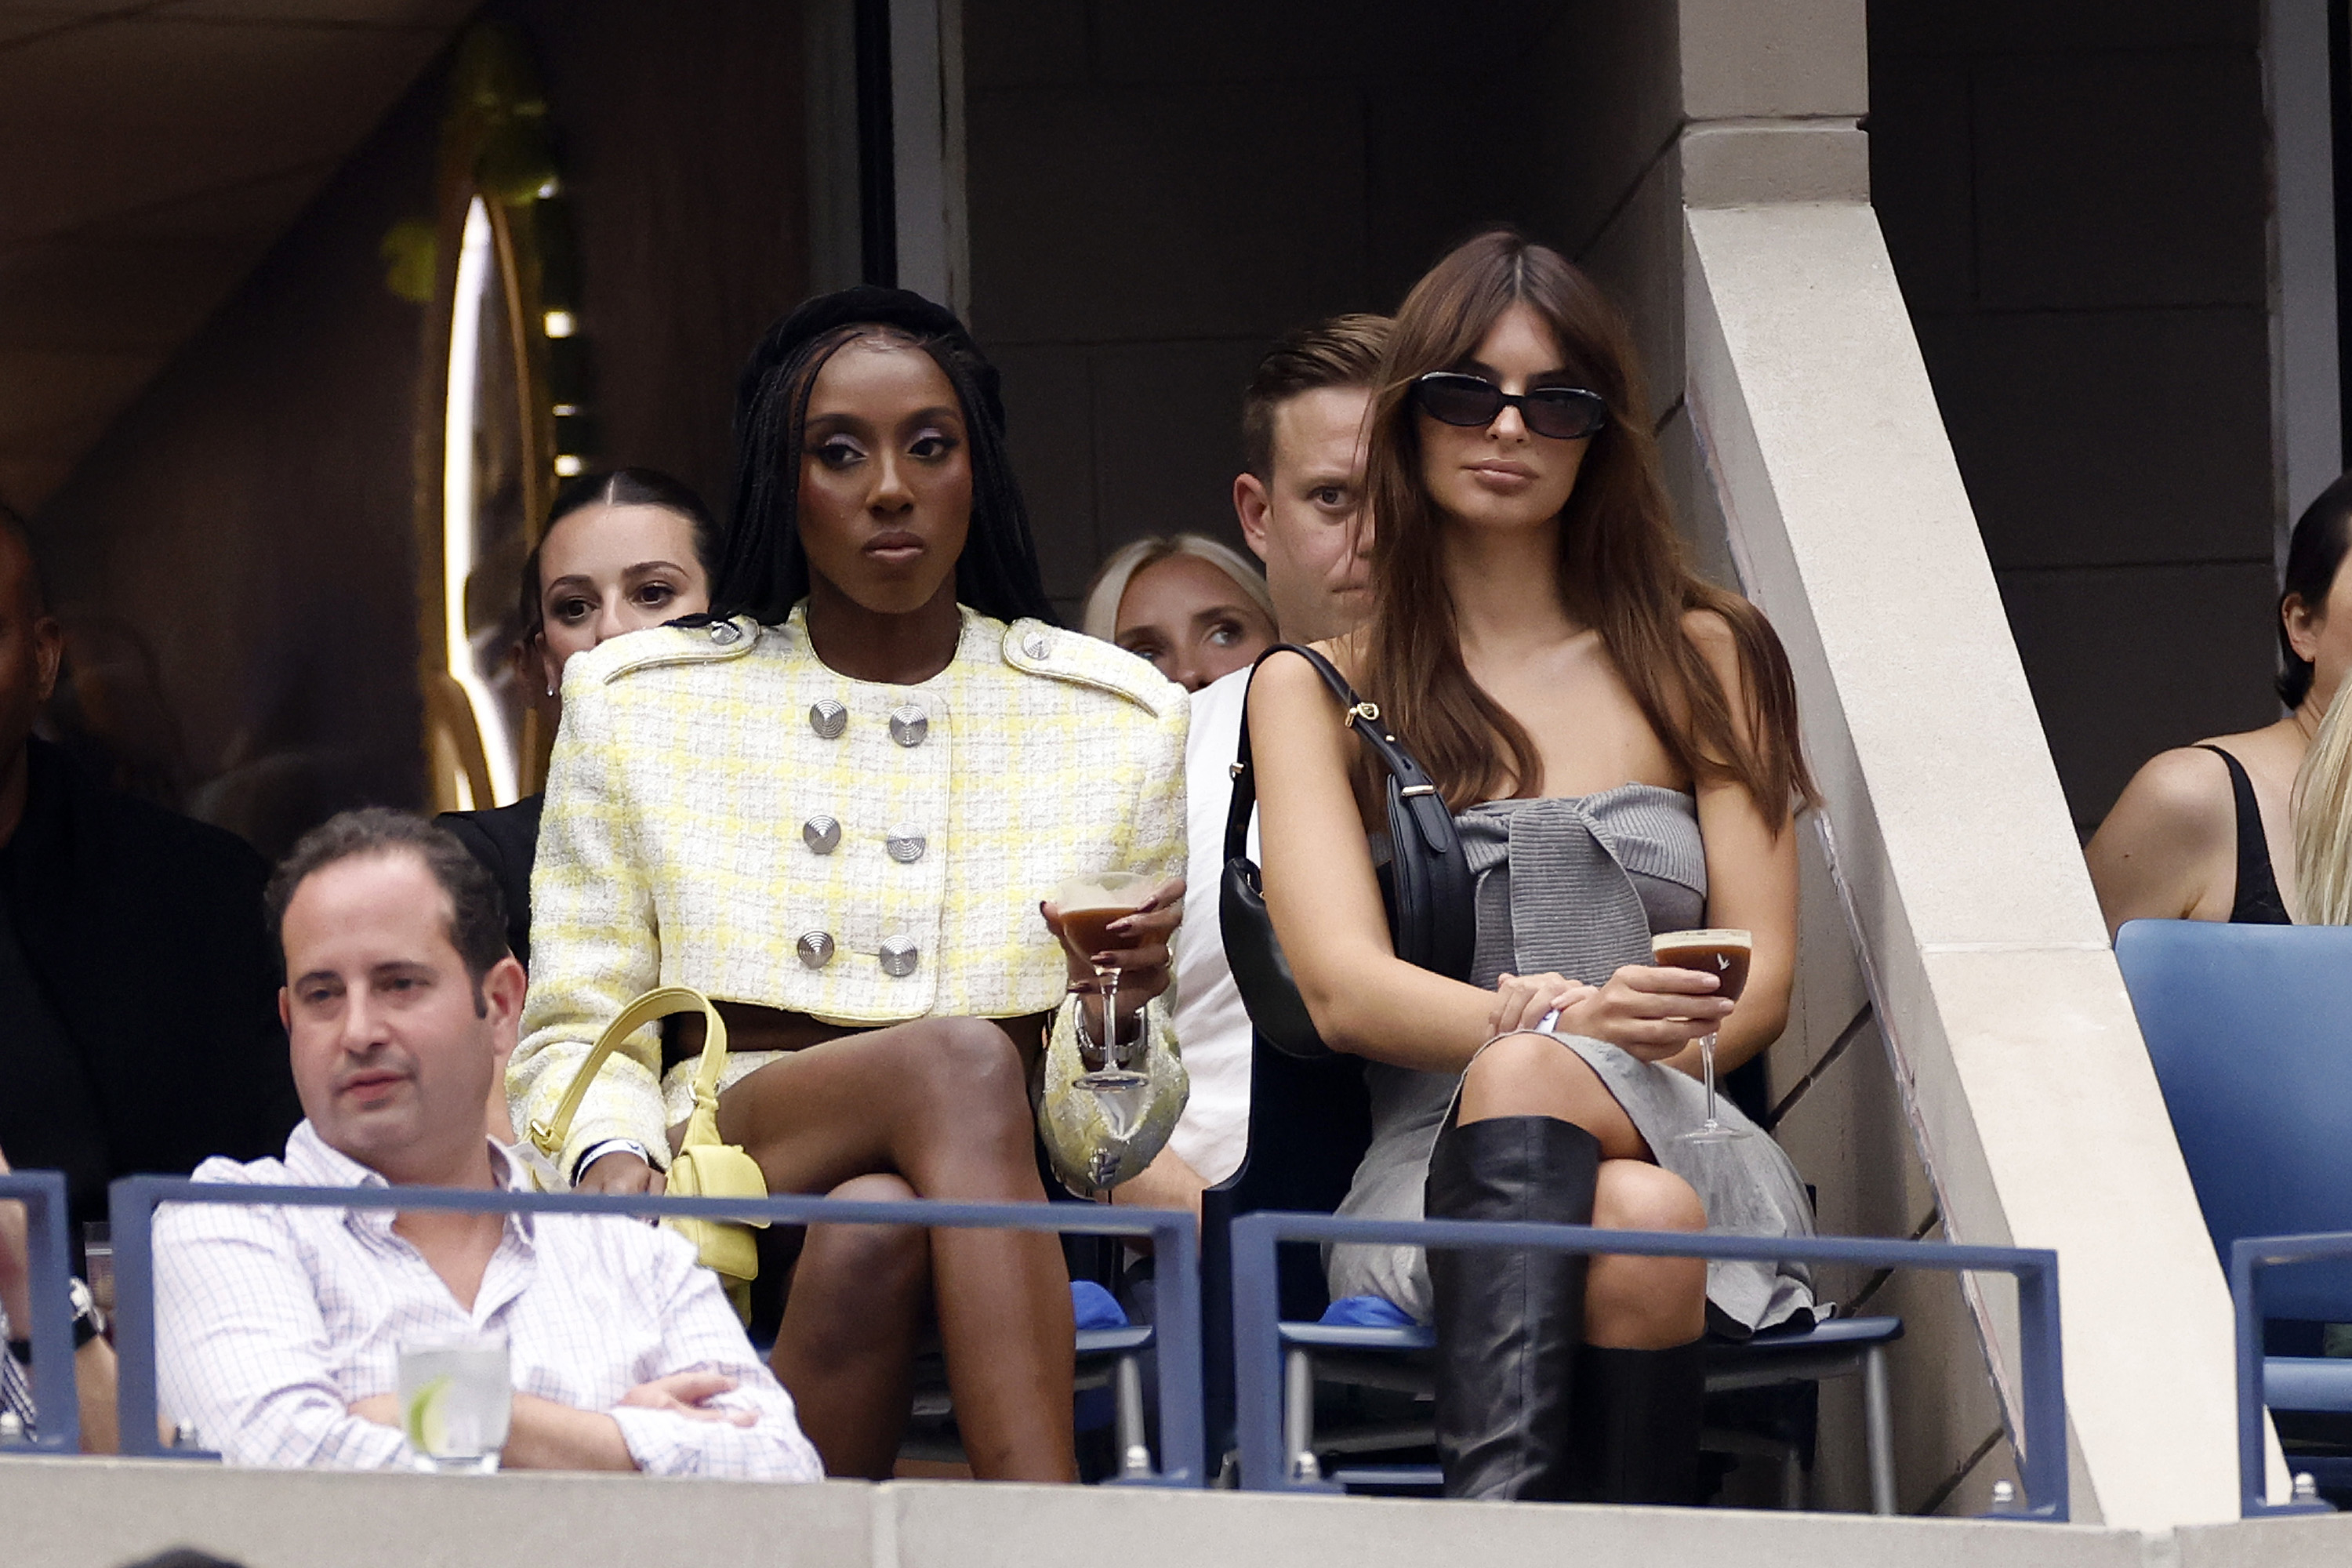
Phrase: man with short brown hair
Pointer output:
(1301, 503)
(279, 1331)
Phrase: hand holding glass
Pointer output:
(1088, 908)
(1724, 954)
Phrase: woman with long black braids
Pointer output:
(838, 808)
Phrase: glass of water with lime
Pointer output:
(456, 1398)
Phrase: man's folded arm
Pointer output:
(701, 1333)
(240, 1346)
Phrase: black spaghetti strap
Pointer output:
(2257, 900)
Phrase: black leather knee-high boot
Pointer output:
(1637, 1424)
(1508, 1323)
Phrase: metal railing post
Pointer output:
(2043, 1464)
(1257, 1355)
(58, 1403)
(2247, 1256)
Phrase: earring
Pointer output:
(550, 688)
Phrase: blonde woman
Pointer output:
(2323, 823)
(1195, 608)
(2204, 832)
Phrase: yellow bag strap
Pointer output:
(549, 1137)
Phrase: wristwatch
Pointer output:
(595, 1152)
(88, 1322)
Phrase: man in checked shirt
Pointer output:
(279, 1331)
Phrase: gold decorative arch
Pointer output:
(486, 456)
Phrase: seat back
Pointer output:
(2250, 1029)
(1309, 1124)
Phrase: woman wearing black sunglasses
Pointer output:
(1617, 743)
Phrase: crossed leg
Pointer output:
(942, 1106)
(855, 1316)
(1629, 1303)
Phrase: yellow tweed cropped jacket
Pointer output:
(726, 813)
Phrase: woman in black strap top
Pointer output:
(2203, 832)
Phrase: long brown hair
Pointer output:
(1620, 565)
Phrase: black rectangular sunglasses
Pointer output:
(1562, 413)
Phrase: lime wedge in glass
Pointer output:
(426, 1423)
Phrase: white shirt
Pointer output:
(1212, 1026)
(271, 1322)
(15, 1384)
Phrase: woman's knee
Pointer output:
(1645, 1303)
(968, 1068)
(859, 1269)
(1631, 1195)
(1531, 1075)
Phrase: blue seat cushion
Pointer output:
(1366, 1313)
(1094, 1307)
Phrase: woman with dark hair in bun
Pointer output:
(839, 807)
(622, 550)
(2205, 832)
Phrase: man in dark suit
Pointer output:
(138, 994)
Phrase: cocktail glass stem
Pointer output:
(1109, 977)
(1707, 1070)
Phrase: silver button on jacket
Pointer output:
(823, 833)
(905, 845)
(909, 725)
(898, 955)
(815, 948)
(828, 719)
(724, 633)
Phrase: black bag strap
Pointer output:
(1431, 918)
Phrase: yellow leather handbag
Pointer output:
(704, 1166)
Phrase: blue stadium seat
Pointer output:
(2250, 1030)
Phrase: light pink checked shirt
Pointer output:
(271, 1322)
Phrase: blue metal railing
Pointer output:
(1258, 1335)
(43, 1194)
(2247, 1256)
(1178, 1330)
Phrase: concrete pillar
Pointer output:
(2014, 1047)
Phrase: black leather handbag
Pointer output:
(1426, 884)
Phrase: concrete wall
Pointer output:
(79, 1514)
(2077, 198)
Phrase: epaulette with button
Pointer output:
(659, 647)
(1036, 648)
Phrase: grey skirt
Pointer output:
(1749, 1185)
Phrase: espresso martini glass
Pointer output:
(1725, 954)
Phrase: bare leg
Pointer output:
(846, 1348)
(1645, 1303)
(942, 1103)
(1534, 1075)
(1633, 1303)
